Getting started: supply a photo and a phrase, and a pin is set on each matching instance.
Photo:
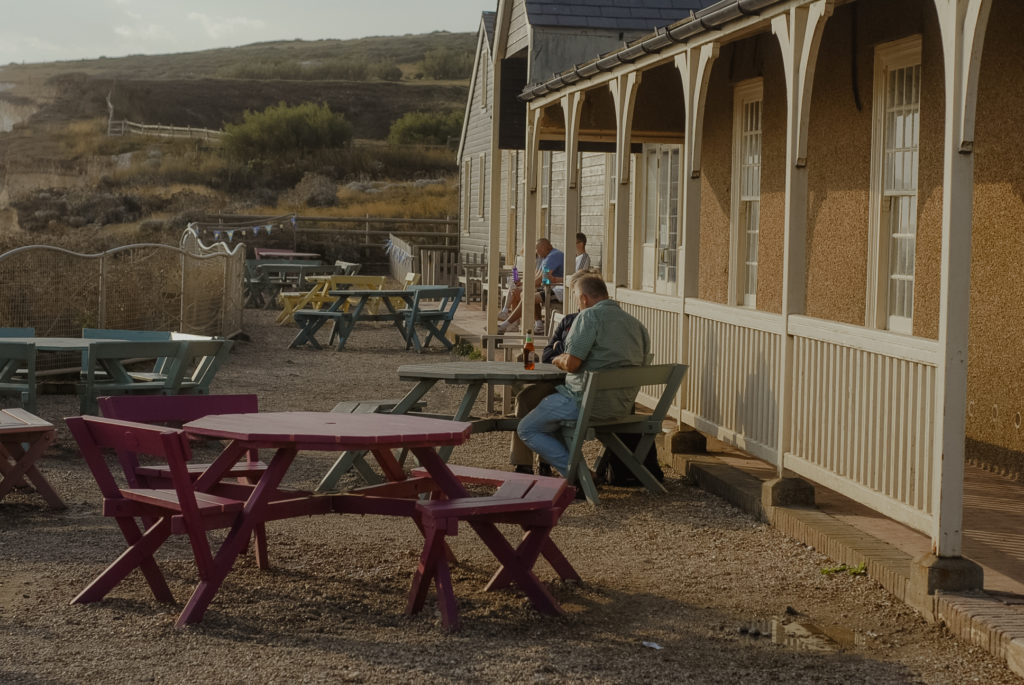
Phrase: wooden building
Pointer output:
(817, 205)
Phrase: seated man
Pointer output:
(528, 398)
(551, 264)
(602, 337)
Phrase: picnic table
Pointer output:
(473, 375)
(23, 438)
(189, 364)
(243, 508)
(354, 306)
(319, 295)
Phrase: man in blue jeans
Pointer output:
(603, 336)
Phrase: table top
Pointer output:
(467, 372)
(267, 253)
(20, 421)
(332, 431)
(61, 344)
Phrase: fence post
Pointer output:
(102, 318)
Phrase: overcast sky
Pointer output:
(49, 30)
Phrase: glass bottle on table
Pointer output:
(546, 278)
(528, 357)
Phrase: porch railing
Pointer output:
(861, 410)
(733, 387)
(862, 415)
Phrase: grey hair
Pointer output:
(591, 285)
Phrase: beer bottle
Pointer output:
(528, 353)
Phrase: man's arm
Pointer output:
(567, 362)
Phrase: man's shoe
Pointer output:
(524, 468)
(508, 327)
(544, 470)
(538, 328)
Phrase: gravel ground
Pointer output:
(678, 588)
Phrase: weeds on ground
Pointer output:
(858, 570)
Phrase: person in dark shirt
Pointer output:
(530, 396)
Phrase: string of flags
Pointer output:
(229, 230)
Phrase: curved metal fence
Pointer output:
(193, 288)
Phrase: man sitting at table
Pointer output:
(603, 336)
(551, 266)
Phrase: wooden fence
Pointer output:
(432, 244)
(124, 127)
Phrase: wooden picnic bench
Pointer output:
(319, 295)
(23, 438)
(535, 503)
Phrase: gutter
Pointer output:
(712, 18)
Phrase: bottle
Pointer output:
(515, 275)
(528, 353)
(546, 280)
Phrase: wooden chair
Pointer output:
(18, 372)
(435, 320)
(471, 275)
(648, 426)
(348, 268)
(178, 509)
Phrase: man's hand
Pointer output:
(567, 362)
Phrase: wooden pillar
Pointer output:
(694, 68)
(623, 89)
(532, 216)
(572, 105)
(799, 34)
(962, 24)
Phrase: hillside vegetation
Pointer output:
(59, 171)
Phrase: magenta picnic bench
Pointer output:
(193, 506)
(19, 428)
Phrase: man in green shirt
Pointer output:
(602, 337)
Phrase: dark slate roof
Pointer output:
(629, 15)
(489, 19)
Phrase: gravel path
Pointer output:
(682, 588)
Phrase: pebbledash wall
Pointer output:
(995, 434)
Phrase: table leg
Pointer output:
(343, 327)
(308, 327)
(351, 458)
(252, 515)
(464, 411)
(24, 466)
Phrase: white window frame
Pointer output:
(897, 55)
(655, 252)
(481, 186)
(745, 94)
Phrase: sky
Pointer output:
(54, 30)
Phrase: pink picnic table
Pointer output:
(288, 433)
(19, 428)
(269, 253)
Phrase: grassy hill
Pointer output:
(52, 122)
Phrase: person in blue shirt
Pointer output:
(551, 265)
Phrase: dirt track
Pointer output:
(686, 573)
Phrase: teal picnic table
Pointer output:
(471, 374)
(409, 314)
